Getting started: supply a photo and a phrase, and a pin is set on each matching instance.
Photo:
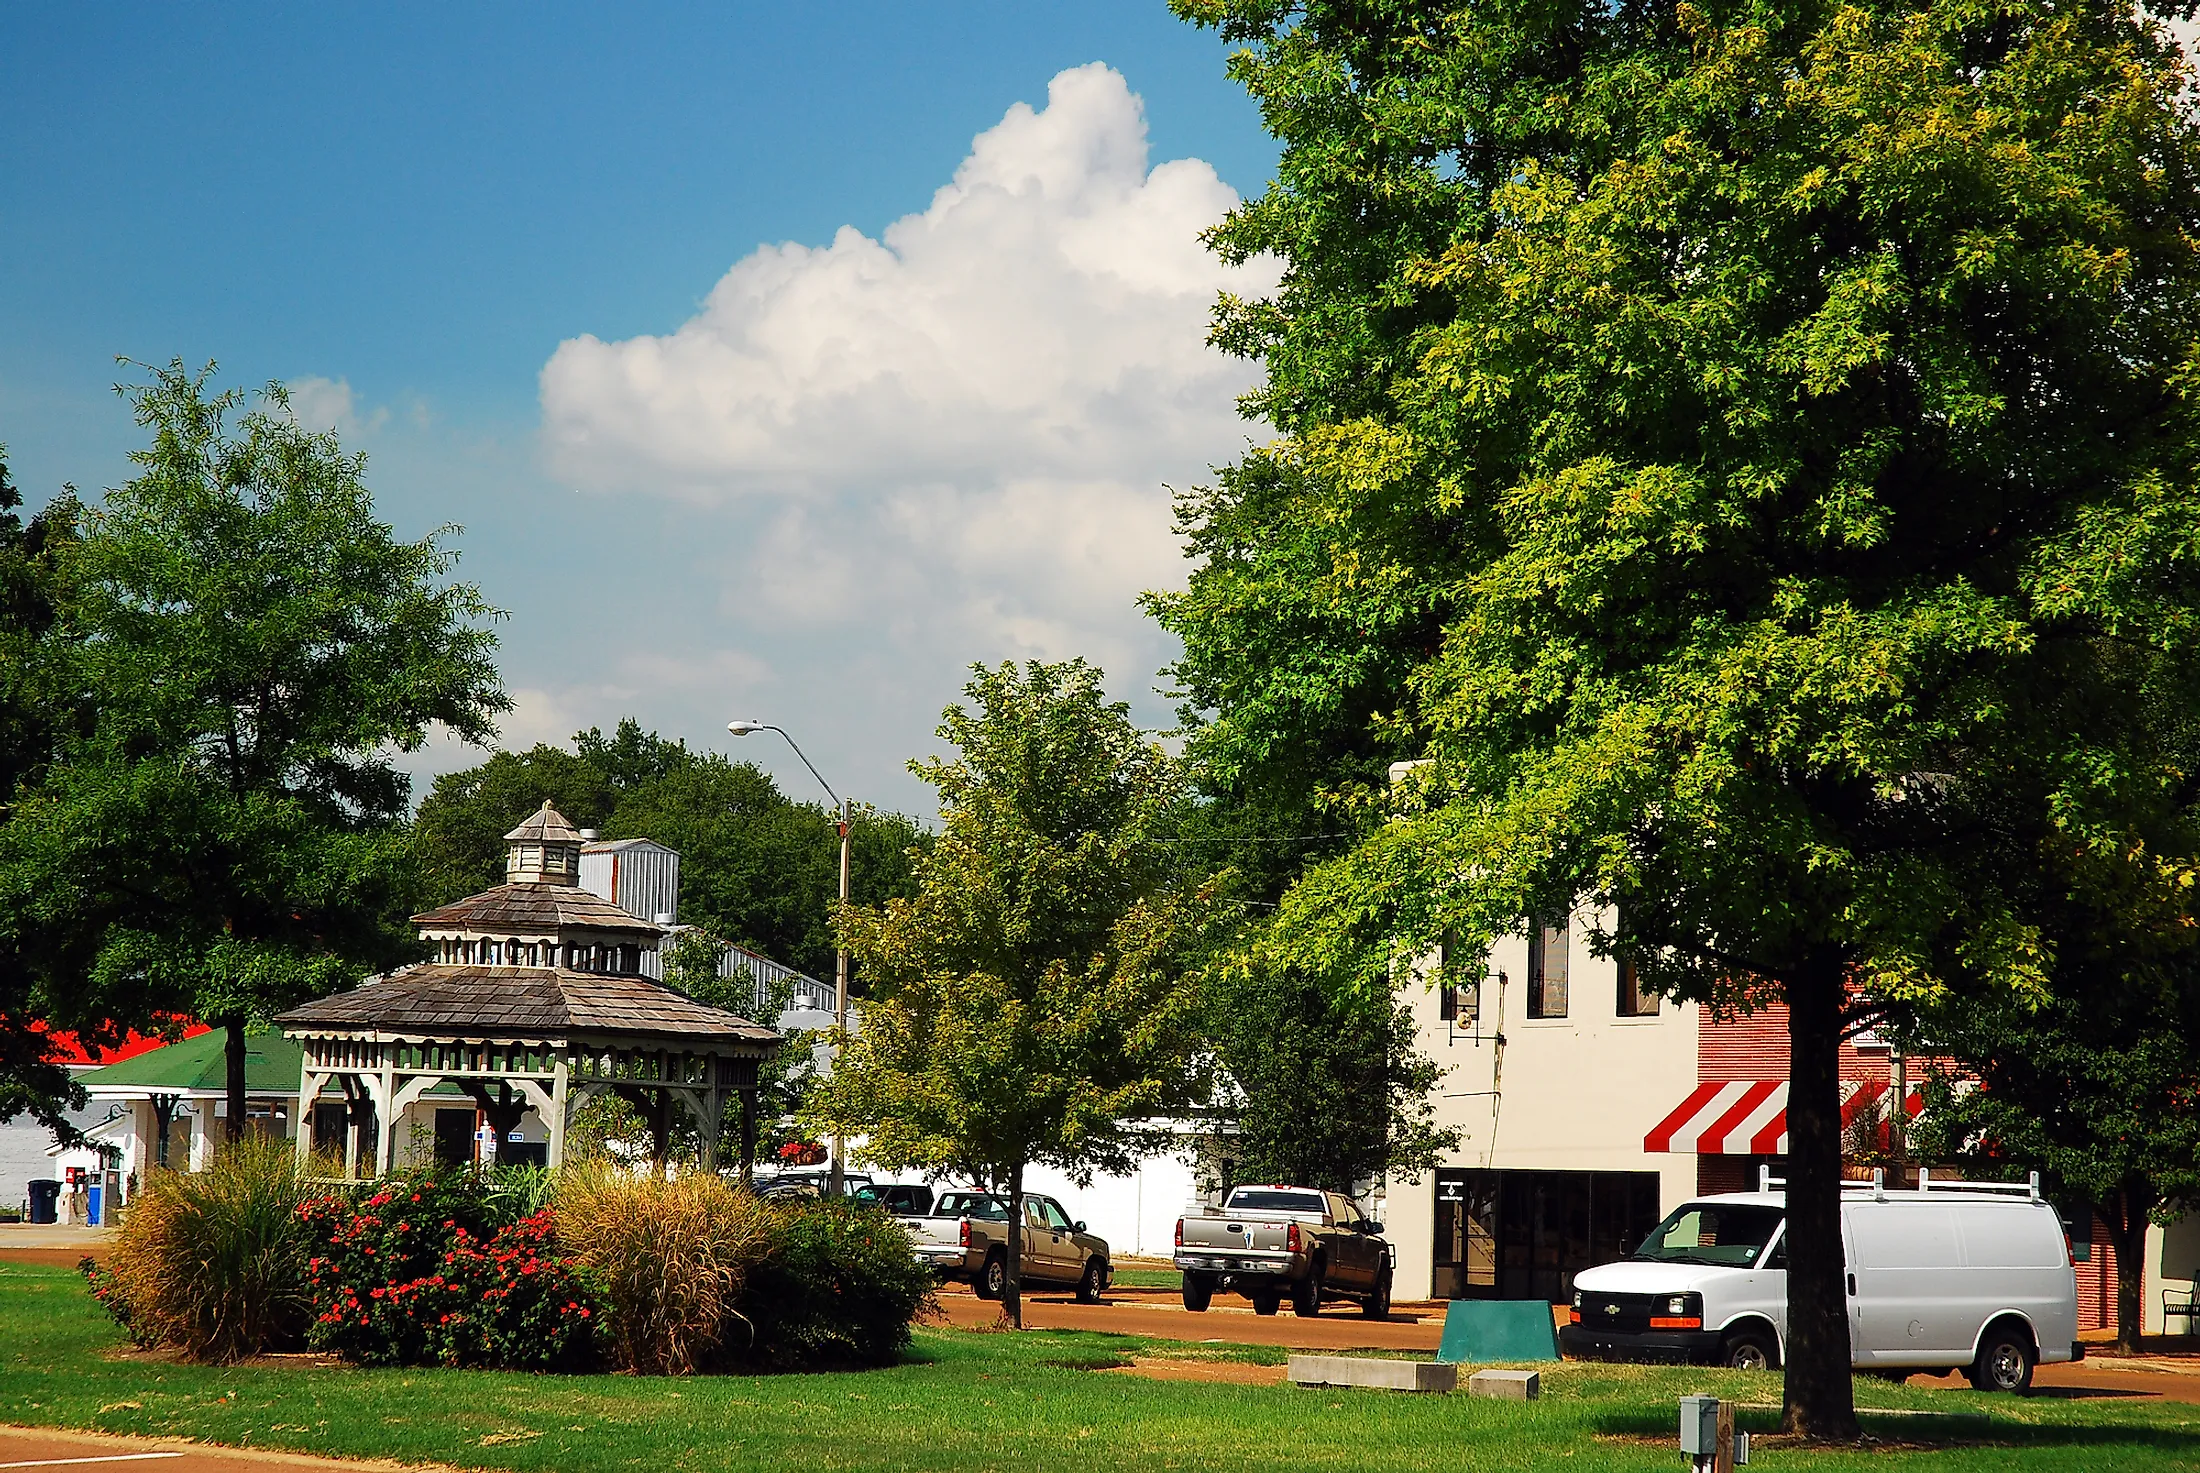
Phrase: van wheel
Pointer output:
(1751, 1350)
(1199, 1291)
(993, 1278)
(1088, 1287)
(2004, 1361)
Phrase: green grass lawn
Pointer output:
(1149, 1278)
(1025, 1403)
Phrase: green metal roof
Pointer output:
(200, 1066)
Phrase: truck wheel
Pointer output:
(1306, 1294)
(1750, 1350)
(1088, 1287)
(1265, 1301)
(992, 1280)
(2004, 1360)
(1199, 1291)
(1377, 1305)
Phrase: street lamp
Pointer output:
(838, 1179)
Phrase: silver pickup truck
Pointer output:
(966, 1237)
(1269, 1242)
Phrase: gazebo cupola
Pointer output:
(535, 998)
(545, 850)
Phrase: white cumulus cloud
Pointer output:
(947, 443)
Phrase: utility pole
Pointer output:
(838, 1181)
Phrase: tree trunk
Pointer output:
(2126, 1215)
(233, 1050)
(1012, 1291)
(1820, 1395)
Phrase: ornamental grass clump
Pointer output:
(669, 1259)
(213, 1263)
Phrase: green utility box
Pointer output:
(1481, 1330)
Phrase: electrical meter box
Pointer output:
(1699, 1426)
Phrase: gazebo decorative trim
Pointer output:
(512, 1021)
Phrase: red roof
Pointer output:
(68, 1050)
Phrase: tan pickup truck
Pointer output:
(965, 1236)
(1269, 1243)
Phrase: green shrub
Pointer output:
(213, 1263)
(668, 1258)
(837, 1285)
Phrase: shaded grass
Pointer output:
(1150, 1278)
(981, 1401)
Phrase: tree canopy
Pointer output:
(1724, 437)
(756, 867)
(1040, 1003)
(241, 649)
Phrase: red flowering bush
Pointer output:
(409, 1272)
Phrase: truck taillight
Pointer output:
(1180, 1232)
(1291, 1239)
(966, 1232)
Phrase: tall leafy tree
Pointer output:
(755, 866)
(1038, 1001)
(34, 715)
(221, 828)
(1327, 1085)
(1723, 437)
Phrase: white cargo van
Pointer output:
(1953, 1275)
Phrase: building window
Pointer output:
(1458, 997)
(1547, 970)
(1633, 1001)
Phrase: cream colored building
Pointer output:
(1554, 1069)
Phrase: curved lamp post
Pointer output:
(838, 1179)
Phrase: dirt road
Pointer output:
(1421, 1327)
(35, 1448)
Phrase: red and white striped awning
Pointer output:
(1748, 1117)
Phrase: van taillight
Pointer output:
(1291, 1239)
(966, 1232)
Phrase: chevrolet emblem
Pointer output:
(1611, 1309)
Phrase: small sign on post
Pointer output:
(485, 1142)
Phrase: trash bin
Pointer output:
(45, 1198)
(95, 1196)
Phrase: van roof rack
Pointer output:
(1877, 1186)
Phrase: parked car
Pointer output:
(903, 1199)
(965, 1237)
(1951, 1276)
(808, 1182)
(1273, 1242)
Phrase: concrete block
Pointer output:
(1506, 1385)
(1381, 1375)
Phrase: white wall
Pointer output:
(1577, 1093)
(1136, 1213)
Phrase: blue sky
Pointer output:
(492, 244)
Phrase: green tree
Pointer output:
(221, 827)
(1723, 437)
(1038, 1002)
(755, 866)
(32, 721)
(783, 1082)
(1330, 1087)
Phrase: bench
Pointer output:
(2180, 1303)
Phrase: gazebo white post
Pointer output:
(560, 1107)
(385, 1133)
(309, 1091)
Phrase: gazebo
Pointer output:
(535, 998)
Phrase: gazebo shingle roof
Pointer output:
(545, 826)
(513, 1002)
(533, 908)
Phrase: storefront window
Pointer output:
(1525, 1234)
